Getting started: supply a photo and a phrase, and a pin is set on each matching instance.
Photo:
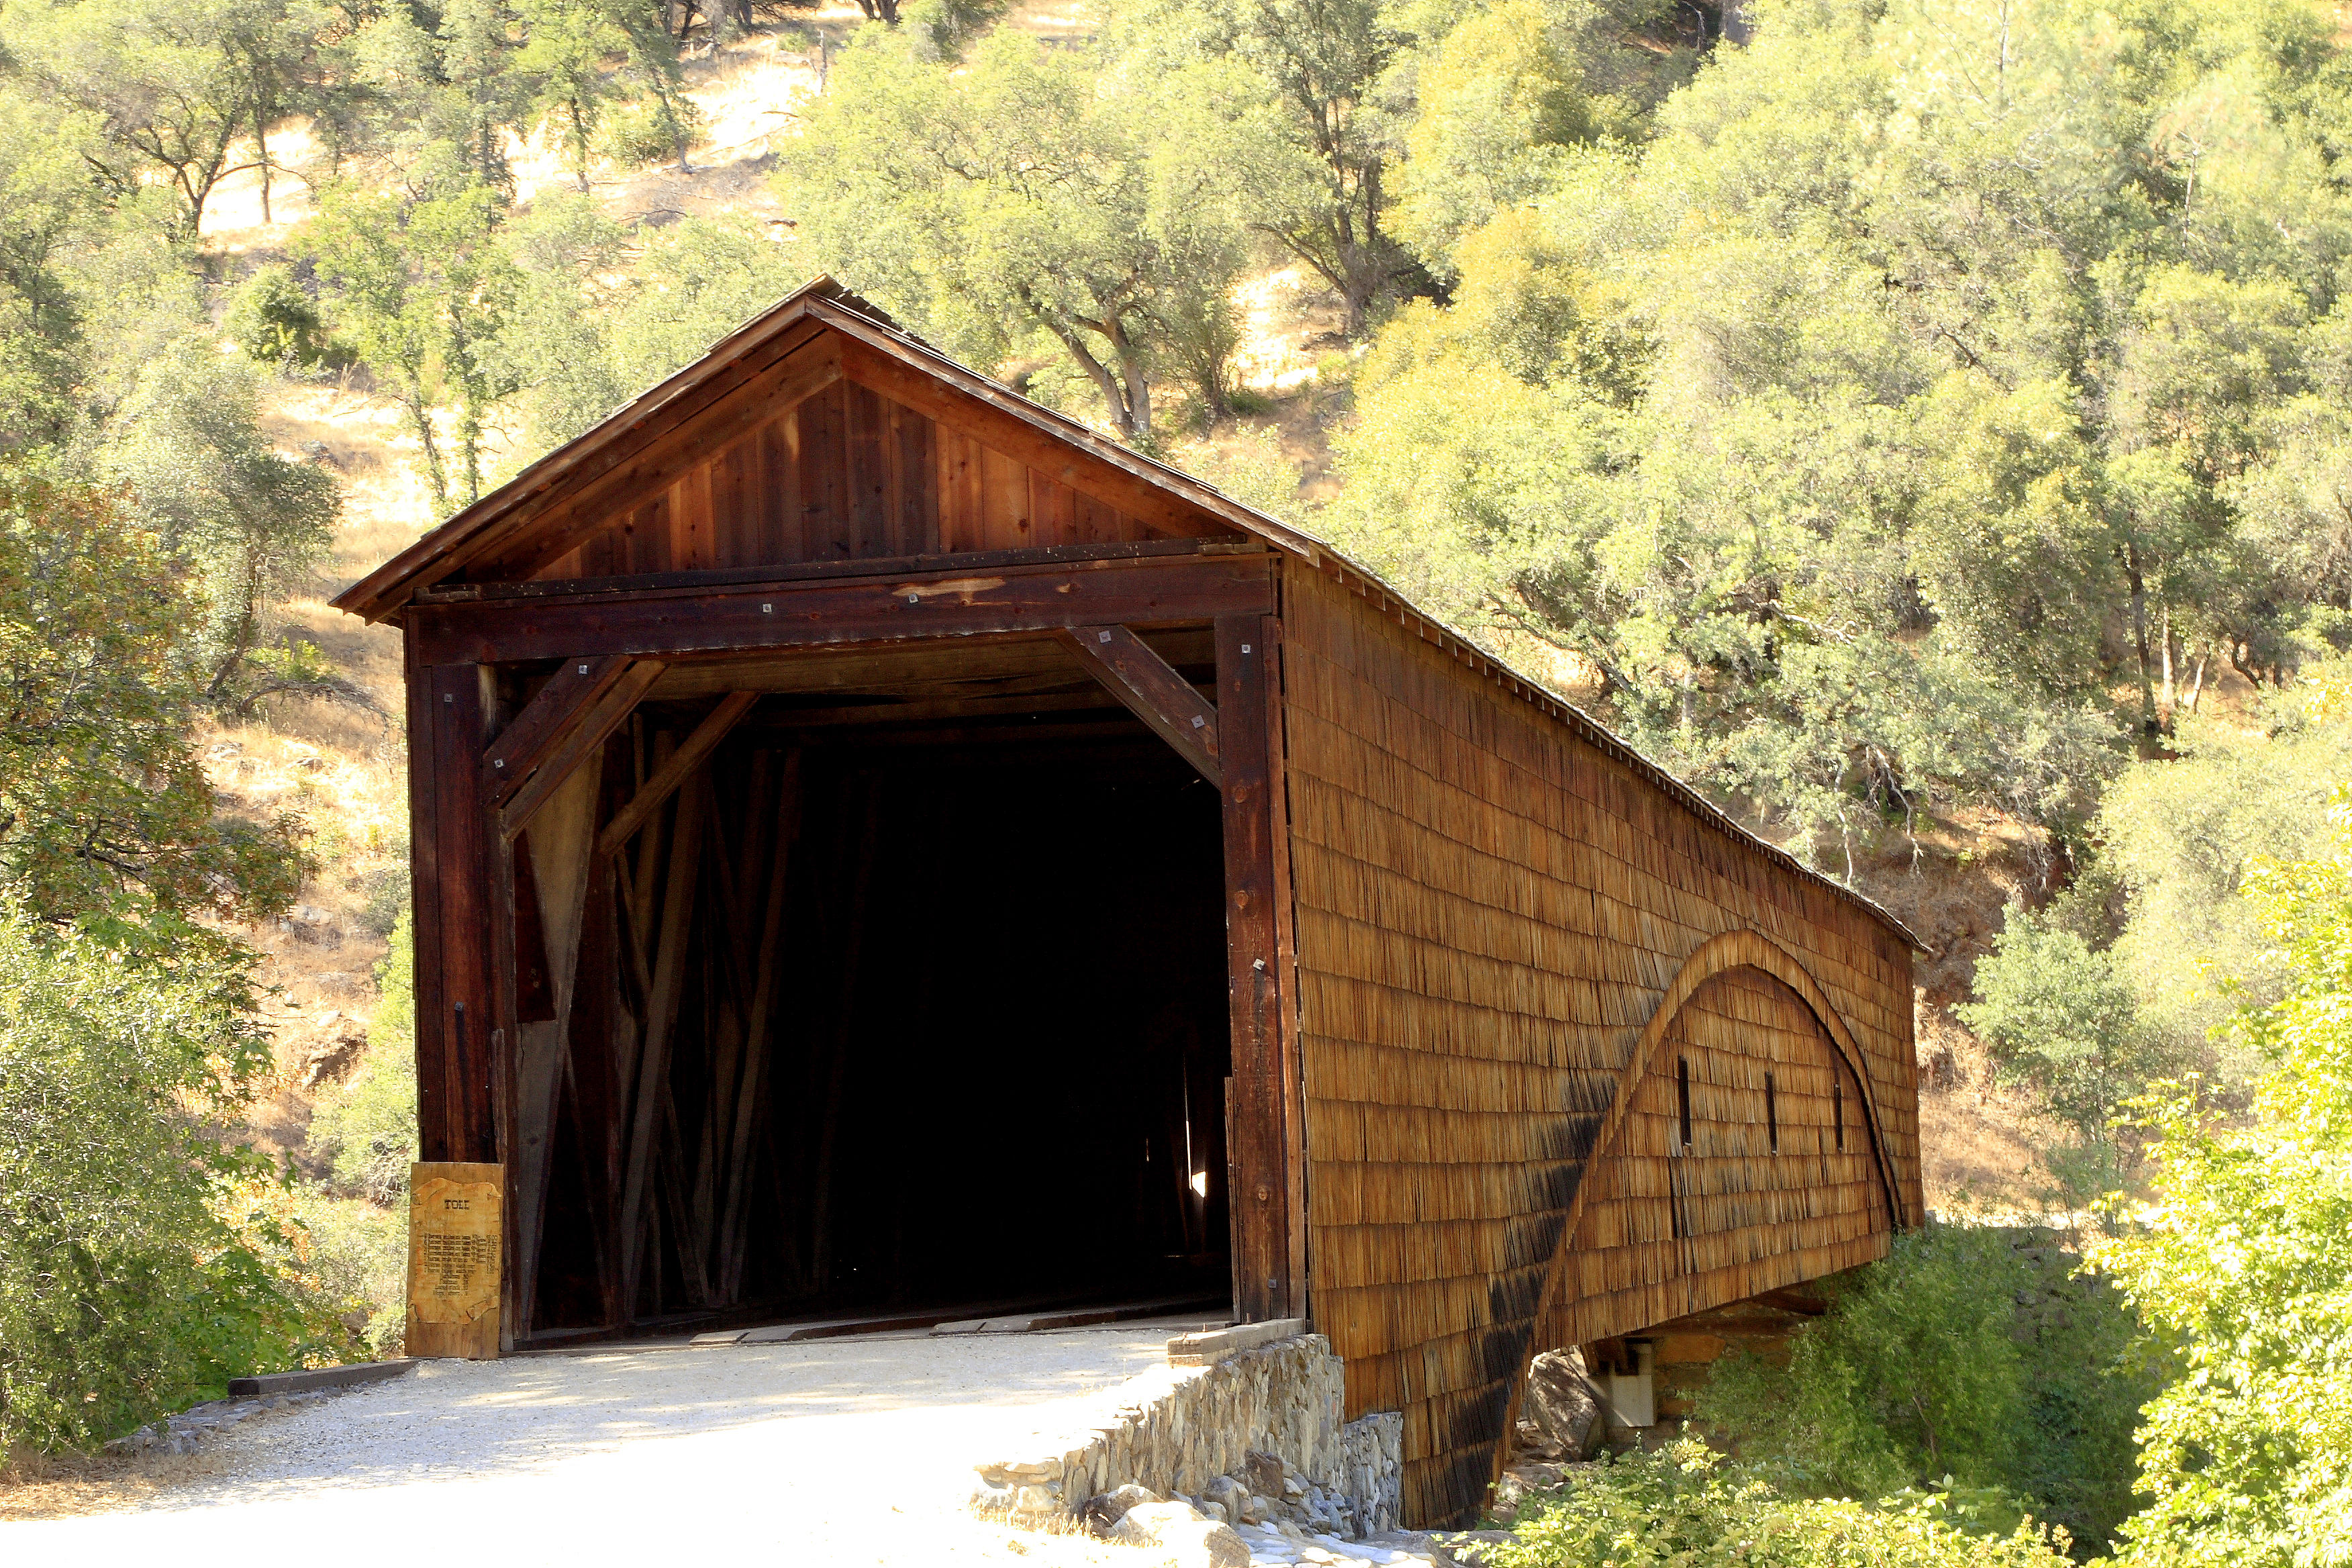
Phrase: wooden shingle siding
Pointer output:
(1489, 910)
(1728, 1218)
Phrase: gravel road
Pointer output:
(838, 1451)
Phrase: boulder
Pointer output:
(1232, 1496)
(1101, 1513)
(1264, 1472)
(1560, 1400)
(1190, 1540)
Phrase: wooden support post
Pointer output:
(677, 771)
(1130, 670)
(750, 1098)
(661, 1020)
(558, 847)
(1269, 1279)
(449, 712)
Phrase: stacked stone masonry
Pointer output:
(1178, 1431)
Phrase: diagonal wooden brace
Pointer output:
(676, 771)
(1152, 691)
(584, 702)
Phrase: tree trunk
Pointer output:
(2197, 680)
(2164, 639)
(2139, 638)
(261, 142)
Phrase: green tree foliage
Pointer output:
(175, 87)
(367, 1132)
(243, 524)
(274, 319)
(131, 1283)
(1501, 97)
(1685, 1506)
(104, 809)
(1318, 149)
(1028, 198)
(2175, 836)
(419, 281)
(1964, 1359)
(2060, 1019)
(1918, 380)
(586, 334)
(2246, 1255)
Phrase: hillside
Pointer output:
(342, 765)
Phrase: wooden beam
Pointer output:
(524, 745)
(750, 1098)
(449, 722)
(573, 746)
(1268, 1219)
(674, 773)
(944, 669)
(634, 585)
(1150, 591)
(669, 982)
(558, 847)
(1150, 688)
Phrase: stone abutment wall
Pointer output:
(1260, 1430)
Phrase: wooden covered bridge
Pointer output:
(880, 845)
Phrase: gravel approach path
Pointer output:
(834, 1451)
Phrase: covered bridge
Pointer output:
(880, 845)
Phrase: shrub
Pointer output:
(1963, 1359)
(1688, 1505)
(2247, 1255)
(368, 1133)
(134, 1278)
(272, 318)
(354, 1263)
(636, 135)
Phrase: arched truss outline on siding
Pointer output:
(1727, 950)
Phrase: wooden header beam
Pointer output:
(759, 616)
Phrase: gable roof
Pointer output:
(479, 530)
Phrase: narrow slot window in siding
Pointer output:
(1771, 1116)
(1837, 1110)
(1681, 1094)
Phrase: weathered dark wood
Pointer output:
(674, 772)
(1002, 431)
(944, 668)
(1266, 1282)
(1149, 687)
(455, 883)
(508, 510)
(586, 736)
(525, 743)
(793, 382)
(671, 584)
(750, 1100)
(1144, 592)
(668, 980)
